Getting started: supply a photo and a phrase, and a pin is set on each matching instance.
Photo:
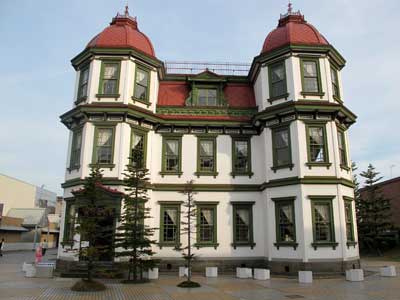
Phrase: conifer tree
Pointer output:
(133, 237)
(188, 228)
(91, 229)
(374, 213)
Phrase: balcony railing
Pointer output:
(220, 68)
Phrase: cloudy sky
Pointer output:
(38, 39)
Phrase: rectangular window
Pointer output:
(311, 76)
(317, 147)
(206, 223)
(109, 78)
(243, 224)
(76, 149)
(282, 155)
(241, 155)
(207, 97)
(335, 83)
(277, 79)
(170, 224)
(142, 83)
(342, 148)
(285, 221)
(138, 149)
(69, 221)
(322, 217)
(172, 149)
(348, 210)
(83, 83)
(206, 155)
(103, 145)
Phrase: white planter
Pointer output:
(243, 273)
(355, 275)
(305, 277)
(388, 271)
(44, 271)
(152, 273)
(25, 266)
(30, 270)
(261, 274)
(183, 271)
(211, 272)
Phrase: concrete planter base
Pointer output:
(152, 273)
(261, 274)
(183, 271)
(388, 271)
(305, 277)
(244, 273)
(355, 275)
(211, 272)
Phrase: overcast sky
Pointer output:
(38, 39)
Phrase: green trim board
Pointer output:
(171, 150)
(95, 158)
(243, 228)
(277, 148)
(342, 147)
(307, 90)
(280, 204)
(335, 83)
(83, 85)
(113, 92)
(320, 222)
(277, 82)
(349, 219)
(206, 233)
(247, 171)
(204, 111)
(172, 226)
(76, 149)
(206, 156)
(206, 94)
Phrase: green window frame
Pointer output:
(138, 148)
(311, 77)
(206, 225)
(171, 155)
(206, 156)
(76, 147)
(317, 145)
(241, 156)
(277, 81)
(349, 219)
(170, 221)
(207, 96)
(141, 87)
(281, 148)
(103, 146)
(109, 78)
(323, 222)
(342, 149)
(243, 235)
(69, 222)
(335, 84)
(83, 84)
(285, 222)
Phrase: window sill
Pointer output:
(338, 99)
(80, 100)
(325, 244)
(205, 245)
(169, 245)
(318, 164)
(234, 174)
(319, 94)
(75, 168)
(145, 102)
(116, 96)
(286, 244)
(276, 98)
(165, 173)
(344, 167)
(351, 244)
(288, 166)
(198, 174)
(103, 166)
(236, 245)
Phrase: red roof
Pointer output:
(175, 93)
(123, 32)
(293, 29)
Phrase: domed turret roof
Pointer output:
(293, 29)
(123, 32)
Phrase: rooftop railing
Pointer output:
(220, 68)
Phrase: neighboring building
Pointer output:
(15, 193)
(11, 229)
(266, 144)
(390, 189)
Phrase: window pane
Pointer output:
(202, 101)
(206, 155)
(311, 85)
(137, 151)
(241, 156)
(172, 147)
(277, 73)
(281, 138)
(170, 219)
(140, 92)
(206, 225)
(206, 148)
(104, 136)
(85, 76)
(172, 155)
(282, 157)
(212, 97)
(109, 86)
(317, 147)
(322, 222)
(110, 71)
(242, 225)
(310, 68)
(281, 147)
(104, 145)
(286, 226)
(142, 77)
(278, 88)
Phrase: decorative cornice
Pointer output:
(204, 111)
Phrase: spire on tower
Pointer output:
(290, 9)
(126, 10)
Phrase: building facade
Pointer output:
(266, 145)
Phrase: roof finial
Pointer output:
(290, 9)
(126, 10)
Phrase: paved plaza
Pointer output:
(14, 286)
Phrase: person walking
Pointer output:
(44, 247)
(1, 246)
